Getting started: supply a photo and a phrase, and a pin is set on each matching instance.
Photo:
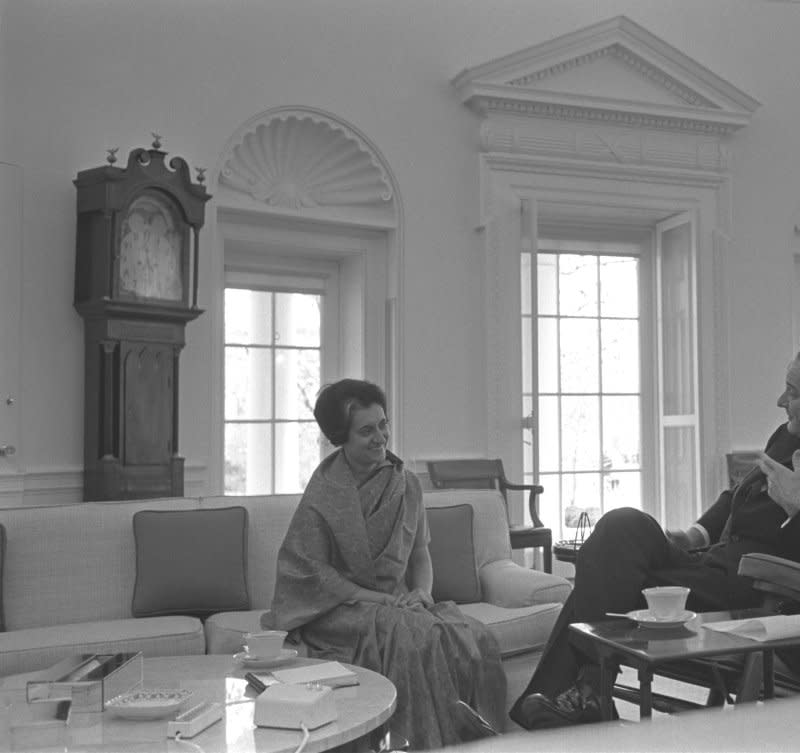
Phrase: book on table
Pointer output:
(331, 673)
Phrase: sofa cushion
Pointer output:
(518, 630)
(51, 574)
(2, 559)
(489, 524)
(37, 648)
(455, 575)
(190, 561)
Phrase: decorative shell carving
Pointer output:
(296, 161)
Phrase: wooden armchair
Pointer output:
(484, 473)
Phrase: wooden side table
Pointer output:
(622, 642)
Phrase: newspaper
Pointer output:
(770, 628)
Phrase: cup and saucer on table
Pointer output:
(265, 650)
(666, 608)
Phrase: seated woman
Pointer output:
(354, 580)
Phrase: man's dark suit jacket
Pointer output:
(755, 519)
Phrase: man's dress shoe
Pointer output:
(575, 705)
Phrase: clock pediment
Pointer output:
(613, 72)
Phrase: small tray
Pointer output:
(148, 703)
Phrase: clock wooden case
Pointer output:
(136, 289)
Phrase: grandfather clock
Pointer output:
(136, 289)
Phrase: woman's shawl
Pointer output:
(342, 537)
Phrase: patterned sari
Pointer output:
(343, 536)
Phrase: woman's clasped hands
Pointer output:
(414, 598)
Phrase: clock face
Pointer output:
(151, 250)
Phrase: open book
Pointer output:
(770, 628)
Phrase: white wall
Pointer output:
(84, 75)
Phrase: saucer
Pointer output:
(264, 662)
(647, 619)
(145, 704)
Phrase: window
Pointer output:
(274, 366)
(586, 393)
(609, 375)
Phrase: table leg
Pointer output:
(607, 676)
(645, 693)
(769, 673)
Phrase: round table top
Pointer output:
(361, 709)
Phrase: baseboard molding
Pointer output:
(64, 486)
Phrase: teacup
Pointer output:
(265, 644)
(666, 602)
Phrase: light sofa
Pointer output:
(69, 573)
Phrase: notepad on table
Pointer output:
(330, 673)
(769, 628)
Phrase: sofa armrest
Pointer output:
(507, 584)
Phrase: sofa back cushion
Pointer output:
(455, 575)
(269, 517)
(72, 563)
(489, 521)
(191, 562)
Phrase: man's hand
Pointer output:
(689, 539)
(783, 485)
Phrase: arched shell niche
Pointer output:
(300, 159)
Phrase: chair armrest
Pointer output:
(772, 574)
(507, 584)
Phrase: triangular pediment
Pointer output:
(615, 70)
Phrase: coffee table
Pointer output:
(622, 642)
(362, 708)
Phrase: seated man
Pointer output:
(628, 551)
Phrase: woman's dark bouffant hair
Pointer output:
(335, 403)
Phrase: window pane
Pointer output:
(546, 287)
(577, 279)
(527, 354)
(248, 316)
(620, 356)
(525, 284)
(622, 490)
(579, 372)
(297, 454)
(621, 429)
(248, 453)
(547, 363)
(550, 503)
(248, 383)
(297, 376)
(677, 318)
(679, 481)
(527, 440)
(581, 490)
(297, 319)
(580, 433)
(619, 286)
(548, 434)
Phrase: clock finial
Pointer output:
(156, 140)
(201, 174)
(111, 157)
